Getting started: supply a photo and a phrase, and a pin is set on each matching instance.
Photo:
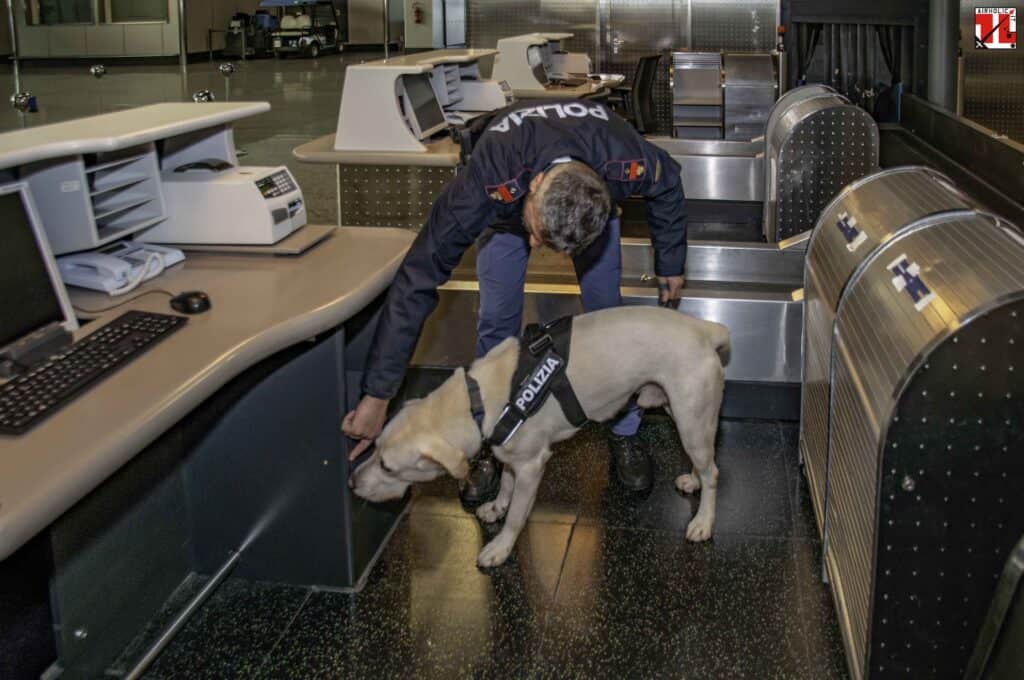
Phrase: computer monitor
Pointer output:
(422, 109)
(535, 59)
(32, 295)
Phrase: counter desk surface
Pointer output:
(434, 57)
(260, 305)
(588, 89)
(119, 130)
(442, 153)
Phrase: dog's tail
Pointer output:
(720, 340)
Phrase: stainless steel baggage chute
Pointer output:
(865, 215)
(816, 143)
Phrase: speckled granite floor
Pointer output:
(600, 585)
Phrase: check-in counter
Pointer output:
(217, 450)
(391, 153)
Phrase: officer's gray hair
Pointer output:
(573, 205)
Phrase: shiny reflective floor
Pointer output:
(601, 584)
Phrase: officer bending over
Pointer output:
(541, 174)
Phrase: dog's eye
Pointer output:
(385, 468)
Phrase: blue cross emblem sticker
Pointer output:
(907, 277)
(847, 226)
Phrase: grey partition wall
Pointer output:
(925, 440)
(816, 143)
(867, 214)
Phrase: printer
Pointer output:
(535, 66)
(401, 104)
(215, 202)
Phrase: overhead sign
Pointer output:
(995, 28)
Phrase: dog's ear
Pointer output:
(447, 456)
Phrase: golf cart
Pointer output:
(307, 27)
(250, 35)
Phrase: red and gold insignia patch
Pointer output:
(625, 171)
(506, 192)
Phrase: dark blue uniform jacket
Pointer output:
(519, 142)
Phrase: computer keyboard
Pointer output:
(30, 398)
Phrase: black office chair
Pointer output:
(636, 102)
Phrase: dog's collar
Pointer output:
(508, 422)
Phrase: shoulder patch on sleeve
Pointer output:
(508, 191)
(625, 171)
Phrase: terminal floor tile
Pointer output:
(601, 584)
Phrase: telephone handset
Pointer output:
(117, 269)
(102, 267)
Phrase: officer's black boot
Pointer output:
(631, 461)
(482, 482)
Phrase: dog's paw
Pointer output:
(699, 529)
(491, 512)
(494, 553)
(688, 483)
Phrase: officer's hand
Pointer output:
(365, 423)
(670, 290)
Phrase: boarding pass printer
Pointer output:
(214, 202)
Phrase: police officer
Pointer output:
(543, 173)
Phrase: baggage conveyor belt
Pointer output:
(747, 286)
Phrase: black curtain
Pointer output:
(891, 44)
(852, 64)
(865, 62)
(890, 39)
(808, 39)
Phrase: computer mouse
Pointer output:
(191, 302)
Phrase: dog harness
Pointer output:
(543, 358)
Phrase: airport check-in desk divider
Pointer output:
(816, 143)
(912, 431)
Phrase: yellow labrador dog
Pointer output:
(669, 358)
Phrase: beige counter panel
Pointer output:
(434, 57)
(443, 153)
(260, 305)
(118, 130)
